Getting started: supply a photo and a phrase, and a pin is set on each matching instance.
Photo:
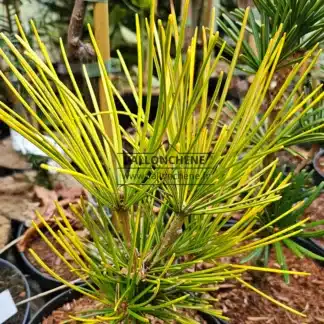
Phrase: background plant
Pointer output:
(301, 189)
(302, 21)
(302, 24)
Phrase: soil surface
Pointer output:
(32, 240)
(16, 285)
(49, 257)
(73, 308)
(86, 304)
(304, 294)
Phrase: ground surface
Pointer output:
(304, 293)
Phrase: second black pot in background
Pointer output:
(45, 281)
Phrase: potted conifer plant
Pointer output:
(143, 262)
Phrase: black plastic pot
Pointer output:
(7, 264)
(45, 281)
(211, 319)
(128, 97)
(70, 295)
(318, 174)
(54, 304)
(311, 246)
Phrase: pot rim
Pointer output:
(74, 294)
(30, 266)
(27, 288)
(319, 154)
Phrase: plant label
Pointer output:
(8, 307)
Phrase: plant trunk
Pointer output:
(171, 235)
(120, 220)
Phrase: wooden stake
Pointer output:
(101, 31)
(189, 27)
(207, 12)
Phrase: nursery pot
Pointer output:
(319, 170)
(312, 246)
(22, 316)
(70, 295)
(128, 98)
(45, 281)
(54, 304)
(211, 319)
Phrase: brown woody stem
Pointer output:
(121, 222)
(171, 235)
(76, 48)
